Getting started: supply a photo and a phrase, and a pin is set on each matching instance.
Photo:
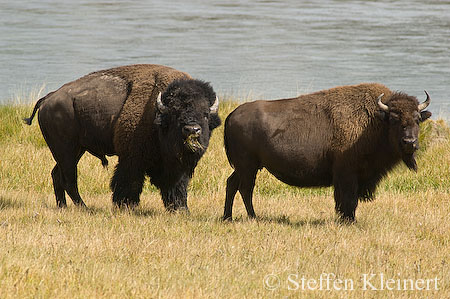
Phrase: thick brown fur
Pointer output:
(137, 115)
(337, 137)
(113, 112)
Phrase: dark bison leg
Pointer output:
(246, 185)
(61, 132)
(68, 168)
(58, 187)
(126, 183)
(66, 156)
(366, 189)
(346, 195)
(243, 178)
(175, 197)
(232, 187)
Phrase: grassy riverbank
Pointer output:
(46, 252)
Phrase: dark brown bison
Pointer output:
(348, 137)
(156, 119)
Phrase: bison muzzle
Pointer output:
(157, 120)
(348, 137)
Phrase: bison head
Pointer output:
(187, 112)
(403, 114)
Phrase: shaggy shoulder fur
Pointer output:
(359, 101)
(144, 83)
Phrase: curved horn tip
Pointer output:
(425, 104)
(428, 96)
(383, 106)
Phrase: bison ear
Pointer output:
(424, 115)
(382, 115)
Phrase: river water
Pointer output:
(246, 49)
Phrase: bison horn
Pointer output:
(383, 106)
(160, 104)
(214, 106)
(425, 104)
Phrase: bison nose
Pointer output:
(410, 141)
(192, 130)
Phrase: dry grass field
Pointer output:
(399, 247)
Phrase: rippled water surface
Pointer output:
(261, 49)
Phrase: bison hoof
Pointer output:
(183, 210)
(347, 220)
(176, 208)
(126, 204)
(61, 204)
(81, 205)
(227, 218)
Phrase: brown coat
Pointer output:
(341, 137)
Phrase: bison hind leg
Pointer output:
(64, 174)
(58, 187)
(69, 172)
(232, 187)
(242, 179)
(246, 186)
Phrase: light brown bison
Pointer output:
(348, 137)
(122, 112)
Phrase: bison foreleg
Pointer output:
(346, 196)
(367, 188)
(126, 184)
(175, 197)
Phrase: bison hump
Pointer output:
(135, 122)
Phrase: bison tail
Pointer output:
(36, 107)
(102, 159)
(104, 162)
